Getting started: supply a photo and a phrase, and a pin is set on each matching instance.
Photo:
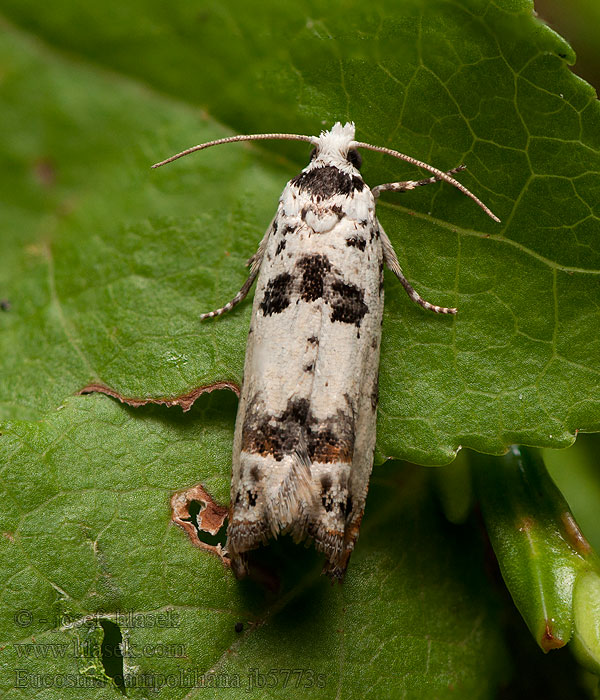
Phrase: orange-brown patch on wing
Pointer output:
(329, 452)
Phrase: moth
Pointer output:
(305, 428)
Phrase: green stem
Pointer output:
(542, 553)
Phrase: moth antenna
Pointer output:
(438, 173)
(231, 139)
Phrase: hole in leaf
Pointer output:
(194, 508)
(111, 653)
(202, 518)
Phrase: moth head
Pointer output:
(337, 147)
(353, 157)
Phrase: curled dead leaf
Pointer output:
(186, 401)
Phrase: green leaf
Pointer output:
(87, 540)
(577, 20)
(106, 267)
(109, 266)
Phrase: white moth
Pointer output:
(305, 429)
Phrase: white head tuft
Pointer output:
(332, 147)
(337, 141)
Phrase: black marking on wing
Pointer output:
(296, 411)
(346, 507)
(266, 434)
(375, 394)
(314, 270)
(347, 303)
(314, 278)
(277, 294)
(339, 497)
(325, 482)
(255, 473)
(320, 211)
(327, 181)
(356, 242)
(330, 440)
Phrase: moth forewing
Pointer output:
(305, 428)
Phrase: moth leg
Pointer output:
(254, 262)
(391, 260)
(411, 184)
(240, 296)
